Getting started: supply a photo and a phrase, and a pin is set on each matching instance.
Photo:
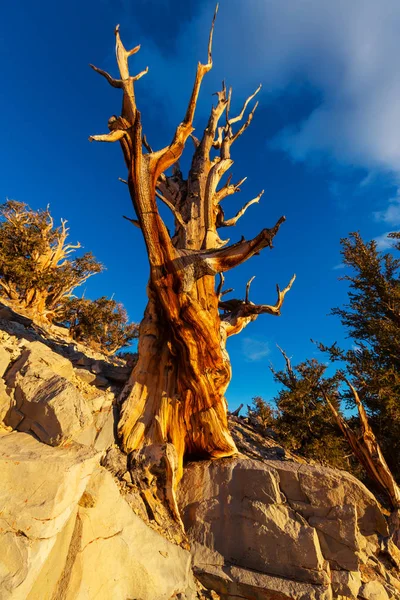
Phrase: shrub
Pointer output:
(36, 270)
(101, 323)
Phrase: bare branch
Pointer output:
(172, 208)
(367, 450)
(228, 105)
(195, 140)
(236, 412)
(225, 292)
(224, 259)
(116, 83)
(234, 220)
(134, 50)
(221, 284)
(134, 222)
(146, 144)
(114, 136)
(289, 367)
(140, 75)
(248, 284)
(229, 189)
(237, 314)
(245, 125)
(243, 309)
(129, 102)
(122, 180)
(169, 155)
(241, 115)
(220, 291)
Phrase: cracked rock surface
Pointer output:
(79, 520)
(277, 529)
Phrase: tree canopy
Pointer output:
(36, 267)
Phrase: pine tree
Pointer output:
(36, 268)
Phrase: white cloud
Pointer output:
(345, 50)
(254, 350)
(383, 242)
(339, 266)
(392, 214)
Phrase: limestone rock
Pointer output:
(40, 487)
(373, 590)
(86, 375)
(5, 401)
(291, 524)
(67, 533)
(49, 406)
(5, 358)
(346, 583)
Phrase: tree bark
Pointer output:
(176, 394)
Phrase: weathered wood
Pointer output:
(367, 450)
(176, 393)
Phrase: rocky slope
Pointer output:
(80, 521)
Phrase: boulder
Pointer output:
(49, 406)
(5, 401)
(373, 590)
(84, 374)
(291, 524)
(67, 533)
(45, 402)
(5, 358)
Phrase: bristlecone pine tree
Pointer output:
(103, 323)
(36, 267)
(304, 422)
(177, 398)
(372, 320)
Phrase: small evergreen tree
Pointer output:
(262, 413)
(305, 424)
(36, 270)
(372, 319)
(101, 323)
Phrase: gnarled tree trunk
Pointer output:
(177, 390)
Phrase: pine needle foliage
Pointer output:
(36, 267)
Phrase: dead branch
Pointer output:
(289, 367)
(236, 412)
(367, 450)
(248, 284)
(146, 144)
(242, 112)
(245, 125)
(116, 83)
(232, 222)
(166, 157)
(228, 189)
(224, 259)
(172, 208)
(134, 222)
(237, 314)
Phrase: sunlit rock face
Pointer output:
(281, 529)
(79, 520)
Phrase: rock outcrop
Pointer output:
(67, 533)
(79, 520)
(280, 529)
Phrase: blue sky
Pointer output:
(324, 143)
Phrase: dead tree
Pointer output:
(177, 389)
(368, 452)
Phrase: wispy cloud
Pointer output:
(383, 242)
(346, 51)
(254, 350)
(338, 267)
(392, 213)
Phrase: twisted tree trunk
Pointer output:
(177, 390)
